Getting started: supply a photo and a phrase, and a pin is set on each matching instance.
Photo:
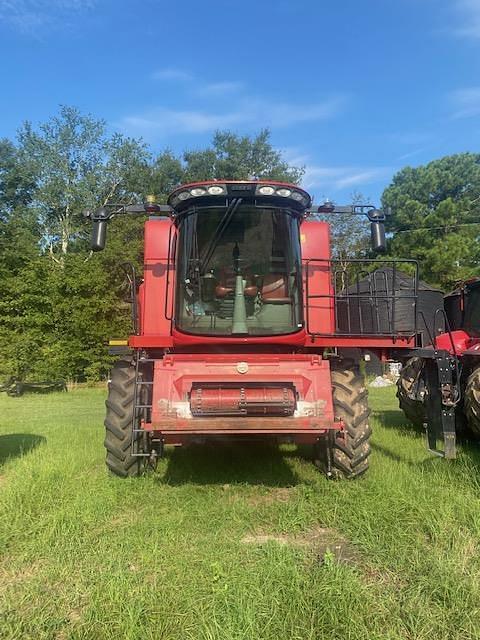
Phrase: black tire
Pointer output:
(119, 422)
(414, 410)
(471, 403)
(351, 447)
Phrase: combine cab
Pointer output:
(244, 327)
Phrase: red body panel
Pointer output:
(307, 375)
(473, 349)
(188, 340)
(460, 339)
(318, 312)
(156, 297)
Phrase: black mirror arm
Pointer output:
(101, 216)
(108, 211)
(376, 217)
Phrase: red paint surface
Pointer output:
(460, 339)
(154, 296)
(242, 400)
(315, 243)
(176, 374)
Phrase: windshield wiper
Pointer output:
(219, 233)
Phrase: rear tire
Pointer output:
(119, 422)
(472, 402)
(351, 447)
(414, 410)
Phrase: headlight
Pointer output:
(183, 195)
(299, 197)
(266, 191)
(215, 190)
(284, 192)
(198, 191)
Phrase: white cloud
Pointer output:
(29, 16)
(468, 12)
(202, 89)
(255, 112)
(220, 88)
(171, 74)
(161, 122)
(465, 102)
(331, 179)
(411, 154)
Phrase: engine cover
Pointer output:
(242, 401)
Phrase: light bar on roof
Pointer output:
(283, 192)
(260, 190)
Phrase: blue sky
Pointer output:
(354, 90)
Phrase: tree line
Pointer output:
(59, 304)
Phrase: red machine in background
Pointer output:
(244, 326)
(457, 350)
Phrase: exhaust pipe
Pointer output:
(239, 308)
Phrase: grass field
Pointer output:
(232, 542)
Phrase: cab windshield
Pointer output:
(238, 272)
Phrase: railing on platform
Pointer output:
(366, 297)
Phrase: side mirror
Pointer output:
(377, 229)
(99, 230)
(99, 235)
(379, 242)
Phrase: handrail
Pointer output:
(132, 281)
(364, 308)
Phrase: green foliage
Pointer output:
(435, 217)
(233, 157)
(350, 234)
(76, 166)
(59, 319)
(59, 304)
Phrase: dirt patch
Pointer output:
(74, 619)
(14, 577)
(326, 544)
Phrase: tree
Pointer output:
(16, 182)
(234, 157)
(59, 304)
(75, 165)
(436, 217)
(349, 233)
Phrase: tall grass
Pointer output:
(231, 542)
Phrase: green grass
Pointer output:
(178, 554)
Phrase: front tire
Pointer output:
(351, 448)
(119, 422)
(414, 410)
(472, 402)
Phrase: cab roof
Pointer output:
(255, 192)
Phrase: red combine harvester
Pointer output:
(244, 326)
(457, 348)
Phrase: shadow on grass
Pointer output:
(17, 444)
(469, 446)
(230, 463)
(395, 419)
